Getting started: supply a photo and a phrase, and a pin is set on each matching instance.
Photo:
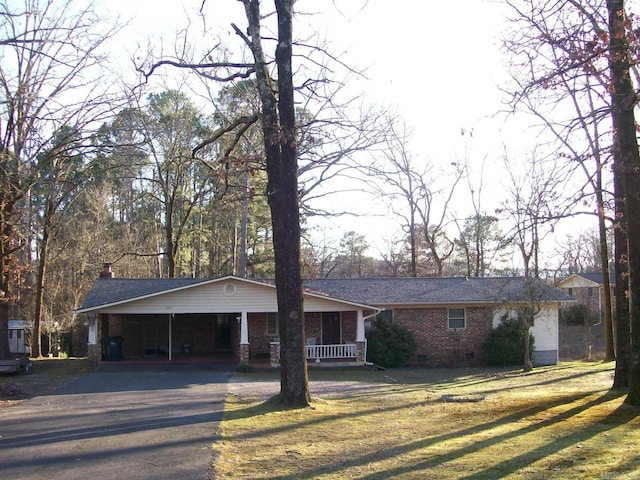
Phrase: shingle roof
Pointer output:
(388, 291)
(369, 291)
(106, 291)
(596, 277)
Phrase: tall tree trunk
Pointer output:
(242, 270)
(169, 245)
(527, 364)
(279, 131)
(627, 157)
(623, 346)
(36, 347)
(294, 381)
(7, 250)
(609, 351)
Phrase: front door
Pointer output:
(331, 328)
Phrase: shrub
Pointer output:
(505, 344)
(573, 315)
(389, 344)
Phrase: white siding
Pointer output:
(226, 296)
(576, 281)
(545, 329)
(545, 326)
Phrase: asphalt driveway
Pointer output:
(119, 422)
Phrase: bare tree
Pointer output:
(533, 205)
(51, 75)
(579, 253)
(561, 77)
(423, 207)
(478, 243)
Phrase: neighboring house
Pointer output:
(587, 289)
(449, 317)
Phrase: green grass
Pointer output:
(558, 422)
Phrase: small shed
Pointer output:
(18, 337)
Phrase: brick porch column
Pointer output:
(274, 354)
(361, 348)
(244, 354)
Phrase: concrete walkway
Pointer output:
(119, 422)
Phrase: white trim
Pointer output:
(244, 329)
(360, 327)
(464, 318)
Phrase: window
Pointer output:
(570, 291)
(272, 324)
(456, 318)
(386, 314)
(590, 292)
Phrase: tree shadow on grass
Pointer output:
(620, 416)
(513, 464)
(510, 465)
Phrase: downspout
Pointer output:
(365, 337)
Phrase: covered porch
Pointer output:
(332, 337)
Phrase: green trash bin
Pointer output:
(114, 348)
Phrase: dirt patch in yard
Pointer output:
(45, 376)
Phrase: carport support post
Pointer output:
(244, 339)
(170, 334)
(93, 351)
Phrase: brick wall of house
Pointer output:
(114, 325)
(258, 338)
(349, 326)
(235, 340)
(198, 331)
(590, 297)
(440, 346)
(313, 325)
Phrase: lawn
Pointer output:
(559, 422)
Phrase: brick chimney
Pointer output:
(106, 271)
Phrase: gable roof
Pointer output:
(434, 290)
(594, 277)
(118, 292)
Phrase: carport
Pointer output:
(170, 318)
(165, 336)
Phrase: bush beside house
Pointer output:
(390, 344)
(504, 345)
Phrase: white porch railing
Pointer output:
(320, 352)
